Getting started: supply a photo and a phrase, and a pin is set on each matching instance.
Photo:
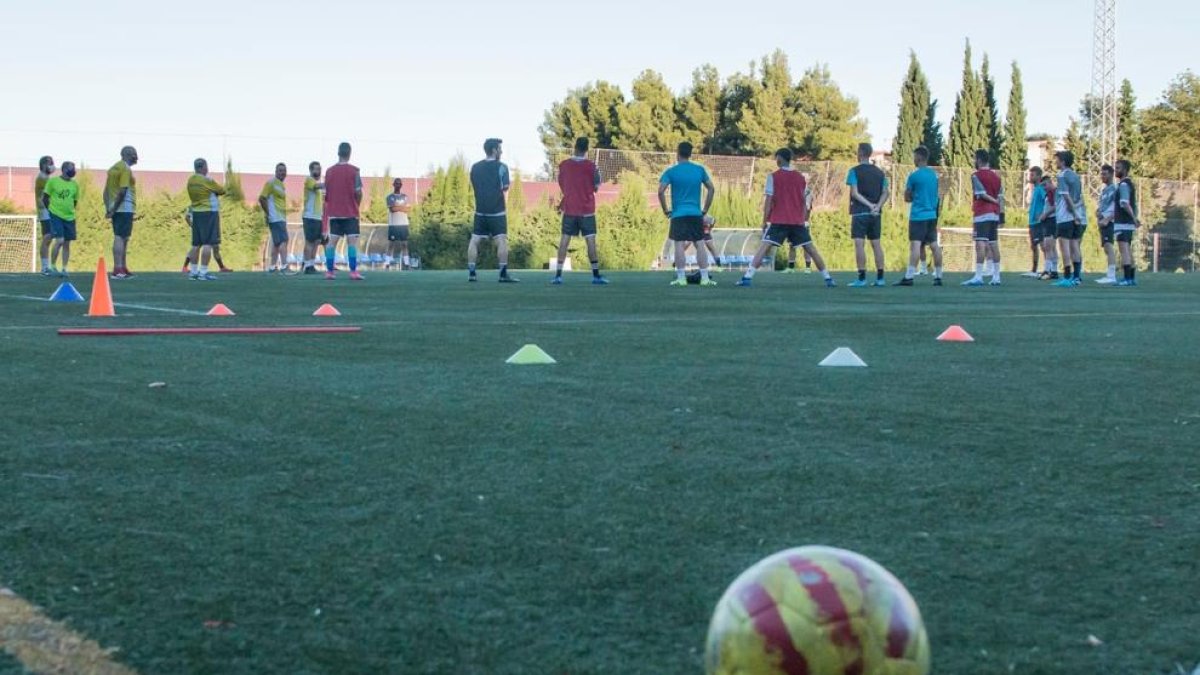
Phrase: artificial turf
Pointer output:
(400, 500)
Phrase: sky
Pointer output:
(413, 84)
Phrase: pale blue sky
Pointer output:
(410, 85)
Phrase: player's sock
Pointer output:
(750, 271)
(328, 258)
(45, 263)
(596, 268)
(352, 255)
(404, 261)
(825, 273)
(1112, 272)
(807, 264)
(937, 273)
(1132, 273)
(862, 275)
(717, 260)
(203, 269)
(704, 274)
(879, 275)
(503, 271)
(791, 264)
(192, 267)
(1078, 268)
(979, 268)
(558, 270)
(1126, 271)
(680, 274)
(910, 272)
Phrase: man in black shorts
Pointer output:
(921, 191)
(868, 194)
(785, 217)
(579, 180)
(684, 180)
(490, 180)
(1126, 221)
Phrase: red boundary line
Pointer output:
(119, 332)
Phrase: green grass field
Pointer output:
(400, 500)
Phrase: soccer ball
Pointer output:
(819, 611)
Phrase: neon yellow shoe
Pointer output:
(679, 282)
(707, 282)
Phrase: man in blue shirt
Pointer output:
(921, 191)
(1037, 206)
(684, 180)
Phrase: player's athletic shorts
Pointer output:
(574, 226)
(206, 228)
(45, 227)
(1106, 234)
(1125, 236)
(343, 227)
(279, 233)
(62, 229)
(123, 225)
(1049, 229)
(1069, 230)
(865, 226)
(312, 230)
(924, 231)
(397, 233)
(687, 228)
(796, 235)
(989, 232)
(490, 226)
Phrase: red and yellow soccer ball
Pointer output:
(816, 610)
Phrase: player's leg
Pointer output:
(44, 247)
(216, 254)
(1035, 243)
(1077, 254)
(1050, 252)
(808, 258)
(772, 239)
(502, 255)
(877, 247)
(352, 253)
(680, 260)
(936, 250)
(1125, 244)
(404, 259)
(980, 258)
(702, 263)
(915, 248)
(1107, 239)
(860, 251)
(994, 249)
(331, 251)
(390, 256)
(803, 239)
(712, 249)
(473, 254)
(570, 227)
(594, 257)
(922, 265)
(1064, 252)
(791, 260)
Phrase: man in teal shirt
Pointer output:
(1037, 206)
(684, 180)
(921, 191)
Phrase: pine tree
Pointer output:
(1013, 154)
(699, 110)
(915, 105)
(968, 127)
(516, 199)
(1076, 143)
(932, 137)
(1129, 125)
(648, 121)
(991, 112)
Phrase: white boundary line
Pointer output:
(149, 308)
(44, 645)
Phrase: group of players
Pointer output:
(1057, 216)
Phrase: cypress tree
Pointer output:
(991, 116)
(915, 108)
(1129, 125)
(932, 136)
(1014, 150)
(968, 127)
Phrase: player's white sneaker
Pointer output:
(1106, 281)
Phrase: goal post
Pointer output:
(18, 243)
(958, 249)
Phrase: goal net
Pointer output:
(958, 249)
(18, 243)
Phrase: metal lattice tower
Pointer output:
(1102, 130)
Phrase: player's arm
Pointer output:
(1126, 201)
(46, 200)
(768, 202)
(262, 202)
(709, 192)
(216, 188)
(981, 193)
(883, 197)
(908, 190)
(596, 180)
(118, 199)
(1065, 195)
(662, 198)
(358, 188)
(505, 180)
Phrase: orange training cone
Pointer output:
(327, 310)
(102, 302)
(955, 334)
(220, 310)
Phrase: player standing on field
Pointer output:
(60, 197)
(1125, 221)
(398, 208)
(988, 207)
(921, 191)
(868, 193)
(1070, 218)
(314, 206)
(343, 195)
(119, 199)
(490, 179)
(1106, 211)
(1049, 230)
(785, 217)
(45, 170)
(684, 180)
(579, 179)
(273, 200)
(791, 259)
(1037, 206)
(204, 215)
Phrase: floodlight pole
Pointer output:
(1102, 125)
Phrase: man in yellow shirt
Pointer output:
(120, 190)
(313, 216)
(273, 200)
(60, 196)
(205, 213)
(45, 170)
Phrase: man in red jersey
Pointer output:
(579, 179)
(988, 208)
(343, 195)
(785, 217)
